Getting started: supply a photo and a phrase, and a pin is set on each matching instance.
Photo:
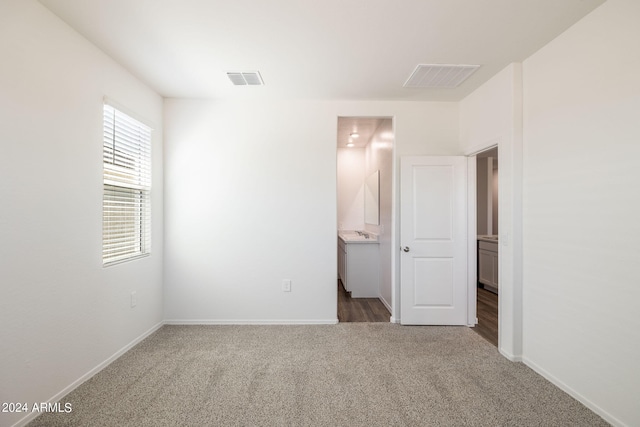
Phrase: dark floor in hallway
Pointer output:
(372, 310)
(360, 309)
(487, 313)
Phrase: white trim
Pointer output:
(510, 356)
(129, 112)
(472, 237)
(394, 320)
(386, 304)
(395, 243)
(251, 321)
(121, 261)
(573, 393)
(24, 421)
(479, 148)
(472, 244)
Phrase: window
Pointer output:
(126, 201)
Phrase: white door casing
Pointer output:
(433, 236)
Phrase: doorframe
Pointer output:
(393, 231)
(472, 230)
(472, 245)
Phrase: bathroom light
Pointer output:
(350, 144)
(354, 134)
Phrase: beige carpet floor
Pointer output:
(358, 374)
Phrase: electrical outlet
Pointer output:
(134, 299)
(286, 286)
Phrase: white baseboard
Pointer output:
(24, 421)
(394, 320)
(573, 393)
(250, 322)
(386, 304)
(511, 357)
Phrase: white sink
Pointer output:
(352, 236)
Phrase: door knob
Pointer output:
(406, 249)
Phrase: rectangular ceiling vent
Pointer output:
(245, 78)
(439, 75)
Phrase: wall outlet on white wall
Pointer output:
(286, 285)
(134, 299)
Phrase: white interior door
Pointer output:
(433, 233)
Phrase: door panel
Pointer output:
(440, 215)
(433, 289)
(434, 277)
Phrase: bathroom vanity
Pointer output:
(488, 262)
(358, 263)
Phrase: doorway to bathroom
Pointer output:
(488, 244)
(365, 167)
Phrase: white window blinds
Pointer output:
(126, 204)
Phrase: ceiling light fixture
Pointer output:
(354, 134)
(350, 144)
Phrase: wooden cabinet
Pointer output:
(488, 265)
(358, 265)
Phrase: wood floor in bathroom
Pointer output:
(360, 309)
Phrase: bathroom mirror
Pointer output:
(372, 199)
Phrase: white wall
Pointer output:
(492, 115)
(351, 175)
(250, 202)
(62, 313)
(250, 192)
(582, 210)
(379, 157)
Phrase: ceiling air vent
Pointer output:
(244, 78)
(439, 75)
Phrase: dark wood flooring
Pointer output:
(372, 310)
(487, 313)
(360, 309)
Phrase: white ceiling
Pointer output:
(330, 49)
